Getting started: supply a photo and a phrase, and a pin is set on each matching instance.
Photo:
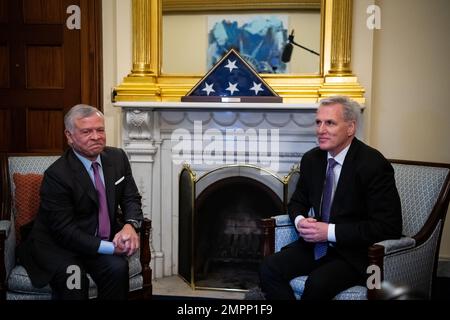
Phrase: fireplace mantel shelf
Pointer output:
(219, 106)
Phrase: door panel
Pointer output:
(4, 66)
(45, 67)
(3, 11)
(43, 11)
(41, 70)
(5, 121)
(47, 123)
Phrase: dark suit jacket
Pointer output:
(67, 220)
(366, 206)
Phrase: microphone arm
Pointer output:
(299, 45)
(291, 40)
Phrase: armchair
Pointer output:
(14, 281)
(410, 261)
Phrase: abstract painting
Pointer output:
(259, 39)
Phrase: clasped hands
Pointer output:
(126, 241)
(312, 230)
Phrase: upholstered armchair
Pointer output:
(20, 179)
(410, 261)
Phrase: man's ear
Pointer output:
(351, 131)
(68, 136)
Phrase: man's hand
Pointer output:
(126, 241)
(312, 230)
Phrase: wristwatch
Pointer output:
(135, 224)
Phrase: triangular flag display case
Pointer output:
(232, 79)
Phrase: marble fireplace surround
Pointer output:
(151, 137)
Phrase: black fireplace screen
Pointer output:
(186, 208)
(226, 234)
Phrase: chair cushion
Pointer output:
(20, 287)
(298, 285)
(20, 282)
(26, 198)
(353, 293)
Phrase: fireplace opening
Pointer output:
(227, 236)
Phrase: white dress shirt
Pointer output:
(339, 158)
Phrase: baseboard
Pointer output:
(443, 269)
(444, 258)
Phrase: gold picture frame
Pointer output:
(146, 82)
(218, 5)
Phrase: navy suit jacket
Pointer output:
(366, 206)
(67, 220)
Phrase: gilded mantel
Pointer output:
(146, 82)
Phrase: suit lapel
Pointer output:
(108, 174)
(346, 176)
(318, 180)
(83, 179)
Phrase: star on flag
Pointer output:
(256, 88)
(231, 65)
(208, 88)
(232, 87)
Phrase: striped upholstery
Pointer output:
(419, 189)
(414, 267)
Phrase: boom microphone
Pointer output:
(287, 51)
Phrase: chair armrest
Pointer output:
(395, 245)
(405, 262)
(282, 220)
(380, 251)
(5, 225)
(390, 246)
(277, 232)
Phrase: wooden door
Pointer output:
(47, 65)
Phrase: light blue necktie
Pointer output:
(104, 227)
(320, 248)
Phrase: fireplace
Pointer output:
(223, 229)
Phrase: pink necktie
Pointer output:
(103, 216)
(320, 248)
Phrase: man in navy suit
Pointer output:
(68, 238)
(365, 208)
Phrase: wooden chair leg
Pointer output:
(145, 259)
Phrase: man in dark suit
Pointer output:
(77, 230)
(362, 207)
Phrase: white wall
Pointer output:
(117, 59)
(411, 80)
(410, 111)
(362, 58)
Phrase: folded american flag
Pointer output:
(232, 79)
